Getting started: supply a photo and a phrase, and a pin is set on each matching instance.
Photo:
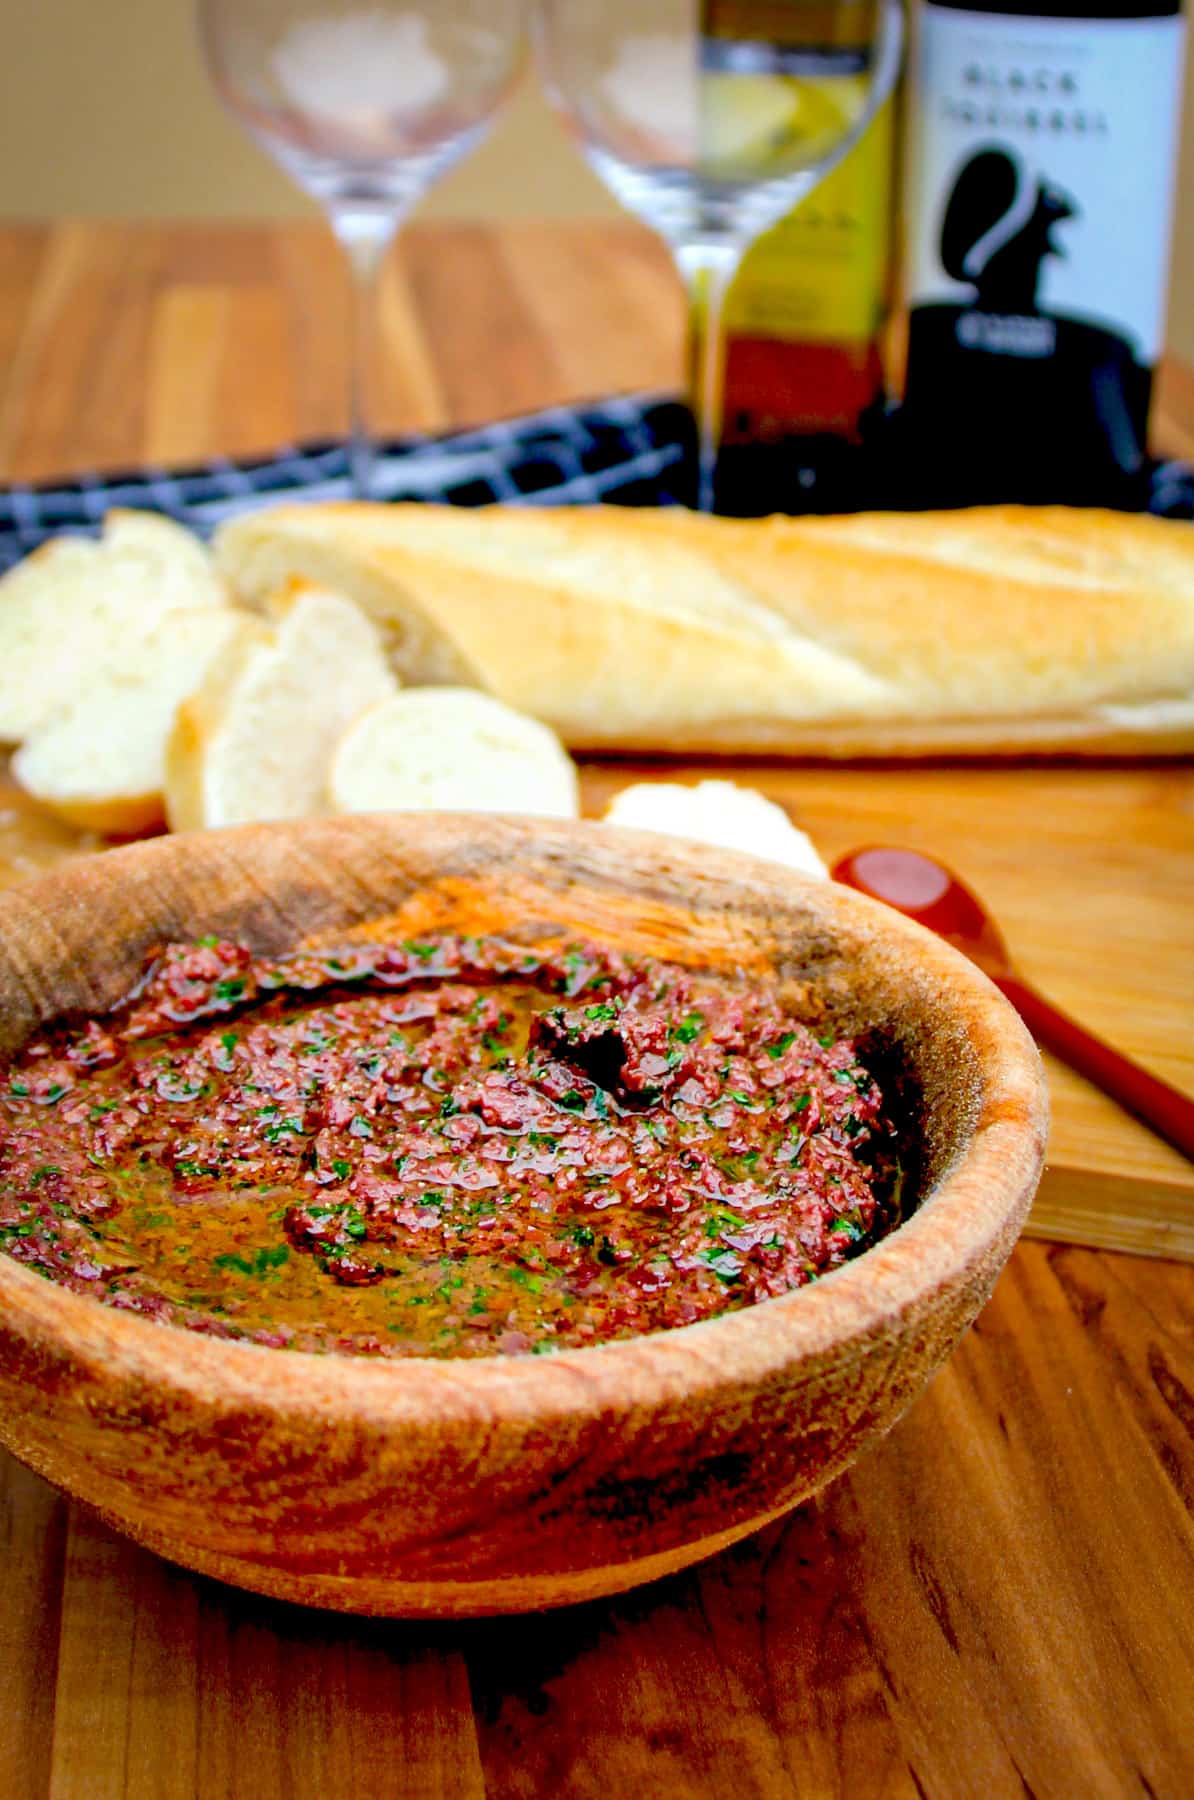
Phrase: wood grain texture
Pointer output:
(201, 1690)
(506, 1483)
(814, 1659)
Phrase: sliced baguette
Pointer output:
(575, 625)
(100, 763)
(74, 607)
(996, 630)
(717, 812)
(254, 741)
(451, 750)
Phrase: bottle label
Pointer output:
(820, 275)
(1043, 179)
(803, 313)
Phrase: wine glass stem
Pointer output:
(365, 236)
(708, 269)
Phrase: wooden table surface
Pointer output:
(996, 1601)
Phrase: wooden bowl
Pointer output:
(439, 1487)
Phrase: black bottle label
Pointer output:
(1043, 161)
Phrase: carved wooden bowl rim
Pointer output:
(971, 1216)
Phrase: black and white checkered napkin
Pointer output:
(635, 450)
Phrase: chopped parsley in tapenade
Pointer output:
(448, 1147)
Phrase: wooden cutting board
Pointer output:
(1090, 871)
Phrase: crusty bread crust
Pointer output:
(1159, 731)
(991, 631)
(582, 629)
(197, 722)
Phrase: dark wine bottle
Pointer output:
(1042, 157)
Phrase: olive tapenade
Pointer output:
(449, 1147)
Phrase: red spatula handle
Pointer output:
(1170, 1113)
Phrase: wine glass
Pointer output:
(363, 103)
(711, 131)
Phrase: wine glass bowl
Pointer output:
(711, 136)
(714, 194)
(363, 103)
(355, 103)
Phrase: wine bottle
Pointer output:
(805, 312)
(803, 321)
(1042, 155)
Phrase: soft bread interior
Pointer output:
(255, 740)
(451, 750)
(101, 762)
(180, 564)
(74, 607)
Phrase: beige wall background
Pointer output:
(105, 110)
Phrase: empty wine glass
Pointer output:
(364, 105)
(711, 119)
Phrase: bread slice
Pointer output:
(74, 607)
(717, 812)
(100, 763)
(556, 614)
(451, 750)
(173, 558)
(255, 740)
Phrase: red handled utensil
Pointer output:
(931, 894)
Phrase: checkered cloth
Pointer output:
(636, 450)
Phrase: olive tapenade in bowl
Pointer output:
(446, 1215)
(441, 1147)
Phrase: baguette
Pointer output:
(557, 614)
(989, 631)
